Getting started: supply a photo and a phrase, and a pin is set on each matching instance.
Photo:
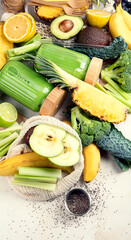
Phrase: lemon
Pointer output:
(97, 18)
(17, 28)
(33, 26)
(8, 114)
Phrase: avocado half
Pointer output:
(65, 27)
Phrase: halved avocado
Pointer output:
(65, 27)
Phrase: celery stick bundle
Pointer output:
(43, 178)
(7, 136)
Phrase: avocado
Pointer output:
(65, 27)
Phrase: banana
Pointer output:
(118, 27)
(92, 157)
(8, 167)
(126, 16)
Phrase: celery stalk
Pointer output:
(34, 178)
(13, 128)
(41, 172)
(22, 50)
(117, 88)
(98, 86)
(4, 146)
(41, 185)
(4, 150)
(117, 95)
(36, 38)
(21, 56)
(4, 134)
(9, 139)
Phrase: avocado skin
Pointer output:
(94, 36)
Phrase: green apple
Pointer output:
(70, 154)
(47, 140)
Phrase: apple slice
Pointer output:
(47, 140)
(70, 154)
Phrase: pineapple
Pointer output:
(87, 97)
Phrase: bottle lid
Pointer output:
(53, 102)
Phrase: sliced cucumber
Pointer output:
(47, 140)
(70, 154)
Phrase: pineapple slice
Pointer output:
(98, 103)
(49, 12)
(87, 97)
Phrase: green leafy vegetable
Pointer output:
(108, 52)
(89, 129)
(116, 144)
(105, 135)
(119, 71)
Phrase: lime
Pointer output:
(8, 114)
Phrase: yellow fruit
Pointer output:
(17, 28)
(4, 46)
(92, 157)
(98, 18)
(118, 27)
(98, 103)
(49, 12)
(33, 25)
(67, 122)
(9, 166)
(126, 16)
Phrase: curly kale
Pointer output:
(107, 52)
(118, 146)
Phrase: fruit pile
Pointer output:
(105, 36)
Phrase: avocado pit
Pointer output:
(66, 25)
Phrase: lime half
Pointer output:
(8, 114)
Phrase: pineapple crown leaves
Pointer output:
(47, 68)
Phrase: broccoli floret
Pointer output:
(119, 71)
(89, 129)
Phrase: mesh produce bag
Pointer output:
(63, 184)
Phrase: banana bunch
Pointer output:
(120, 24)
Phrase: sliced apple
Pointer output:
(47, 140)
(70, 154)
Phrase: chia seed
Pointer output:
(78, 201)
